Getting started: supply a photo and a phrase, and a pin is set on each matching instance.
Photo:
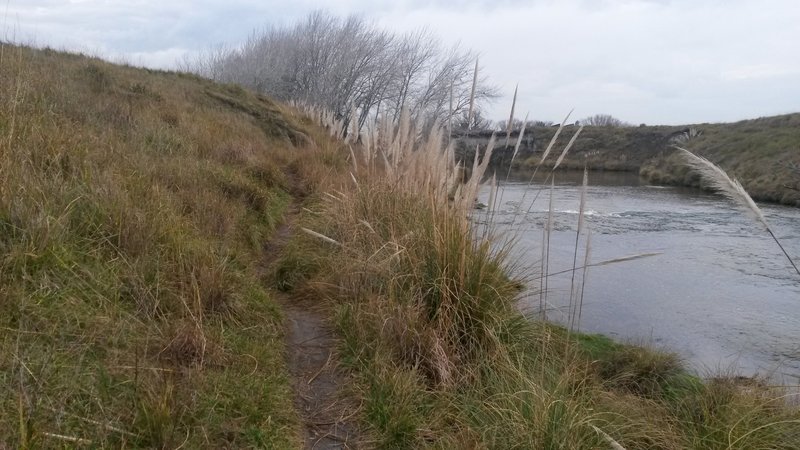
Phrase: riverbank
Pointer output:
(761, 153)
(442, 356)
(137, 207)
(717, 293)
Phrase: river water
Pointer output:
(720, 293)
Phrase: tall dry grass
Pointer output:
(427, 313)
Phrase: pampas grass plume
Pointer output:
(733, 190)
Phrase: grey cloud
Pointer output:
(651, 61)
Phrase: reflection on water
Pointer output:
(721, 293)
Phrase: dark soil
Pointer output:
(327, 416)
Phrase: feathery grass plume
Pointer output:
(331, 196)
(511, 117)
(493, 191)
(352, 128)
(553, 141)
(513, 156)
(614, 444)
(366, 224)
(403, 142)
(566, 149)
(62, 437)
(555, 166)
(733, 190)
(721, 182)
(451, 112)
(519, 141)
(366, 148)
(470, 190)
(339, 129)
(491, 205)
(320, 236)
(386, 164)
(545, 154)
(472, 95)
(372, 151)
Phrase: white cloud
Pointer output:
(654, 61)
(642, 61)
(759, 71)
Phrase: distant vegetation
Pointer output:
(764, 153)
(348, 64)
(603, 120)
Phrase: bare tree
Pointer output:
(414, 56)
(347, 64)
(603, 120)
(516, 124)
(477, 122)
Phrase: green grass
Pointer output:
(134, 206)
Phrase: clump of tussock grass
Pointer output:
(442, 357)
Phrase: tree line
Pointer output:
(347, 64)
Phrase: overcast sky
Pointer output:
(643, 61)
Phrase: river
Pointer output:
(720, 293)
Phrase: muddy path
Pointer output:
(327, 417)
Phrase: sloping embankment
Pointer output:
(763, 153)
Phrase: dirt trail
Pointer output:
(310, 352)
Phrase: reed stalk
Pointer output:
(511, 116)
(545, 154)
(729, 187)
(586, 259)
(577, 238)
(472, 95)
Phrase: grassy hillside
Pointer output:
(136, 209)
(758, 152)
(133, 209)
(602, 148)
(764, 154)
